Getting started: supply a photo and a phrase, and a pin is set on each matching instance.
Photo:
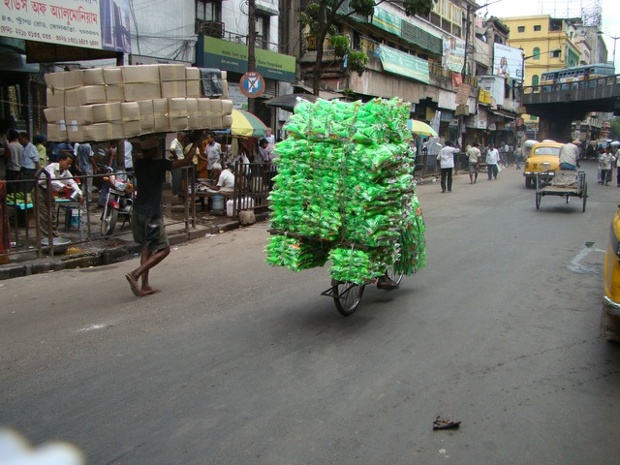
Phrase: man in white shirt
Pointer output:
(225, 180)
(176, 153)
(473, 159)
(128, 156)
(491, 160)
(445, 158)
(60, 178)
(569, 156)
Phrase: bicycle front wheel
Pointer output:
(347, 296)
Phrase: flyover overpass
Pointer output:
(558, 105)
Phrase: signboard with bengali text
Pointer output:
(96, 24)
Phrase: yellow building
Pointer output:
(546, 42)
(547, 45)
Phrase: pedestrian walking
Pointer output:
(146, 217)
(492, 159)
(445, 159)
(473, 157)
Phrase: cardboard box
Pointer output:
(75, 131)
(74, 79)
(172, 78)
(106, 112)
(142, 91)
(178, 123)
(93, 76)
(216, 107)
(141, 82)
(64, 80)
(56, 132)
(147, 122)
(131, 129)
(54, 114)
(85, 95)
(225, 89)
(227, 107)
(101, 132)
(54, 80)
(226, 121)
(217, 122)
(177, 107)
(161, 124)
(192, 114)
(140, 73)
(81, 115)
(204, 122)
(113, 76)
(114, 93)
(130, 111)
(55, 98)
(160, 108)
(192, 82)
(204, 106)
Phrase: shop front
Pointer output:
(232, 57)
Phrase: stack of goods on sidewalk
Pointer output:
(100, 104)
(345, 192)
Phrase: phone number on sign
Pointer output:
(77, 41)
(26, 34)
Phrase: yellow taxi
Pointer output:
(544, 158)
(610, 318)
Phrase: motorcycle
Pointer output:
(118, 202)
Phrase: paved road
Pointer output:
(239, 363)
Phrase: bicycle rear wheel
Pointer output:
(347, 296)
(395, 276)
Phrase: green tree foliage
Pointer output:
(321, 17)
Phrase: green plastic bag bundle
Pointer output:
(345, 180)
(294, 254)
(354, 265)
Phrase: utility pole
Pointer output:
(251, 46)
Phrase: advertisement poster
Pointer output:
(97, 24)
(453, 54)
(507, 62)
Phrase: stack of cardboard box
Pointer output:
(101, 104)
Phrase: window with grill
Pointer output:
(537, 28)
(208, 10)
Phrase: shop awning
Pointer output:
(503, 114)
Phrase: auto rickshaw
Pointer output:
(610, 317)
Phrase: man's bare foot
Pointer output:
(149, 291)
(133, 284)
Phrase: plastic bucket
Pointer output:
(218, 202)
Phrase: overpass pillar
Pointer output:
(556, 127)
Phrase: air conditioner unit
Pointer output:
(210, 28)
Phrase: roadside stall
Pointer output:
(246, 129)
(101, 105)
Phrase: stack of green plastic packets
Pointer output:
(345, 192)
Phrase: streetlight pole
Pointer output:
(470, 10)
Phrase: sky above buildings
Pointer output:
(610, 10)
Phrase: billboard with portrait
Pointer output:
(507, 62)
(96, 24)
